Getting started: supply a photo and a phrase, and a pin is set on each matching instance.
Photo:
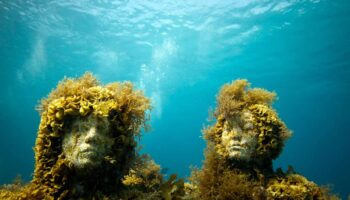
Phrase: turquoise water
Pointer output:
(180, 53)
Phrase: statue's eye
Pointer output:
(75, 128)
(86, 127)
(233, 124)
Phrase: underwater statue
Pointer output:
(246, 137)
(86, 146)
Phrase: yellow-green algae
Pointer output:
(124, 174)
(223, 178)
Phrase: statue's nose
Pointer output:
(237, 137)
(91, 135)
(236, 134)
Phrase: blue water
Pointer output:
(180, 53)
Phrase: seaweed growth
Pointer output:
(122, 173)
(246, 136)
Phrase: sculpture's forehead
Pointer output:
(91, 121)
(243, 117)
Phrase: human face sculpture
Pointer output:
(239, 137)
(87, 141)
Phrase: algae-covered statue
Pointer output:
(246, 137)
(86, 146)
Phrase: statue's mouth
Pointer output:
(236, 147)
(89, 151)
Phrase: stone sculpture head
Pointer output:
(247, 127)
(87, 134)
(87, 141)
(246, 136)
(239, 136)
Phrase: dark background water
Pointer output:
(180, 53)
